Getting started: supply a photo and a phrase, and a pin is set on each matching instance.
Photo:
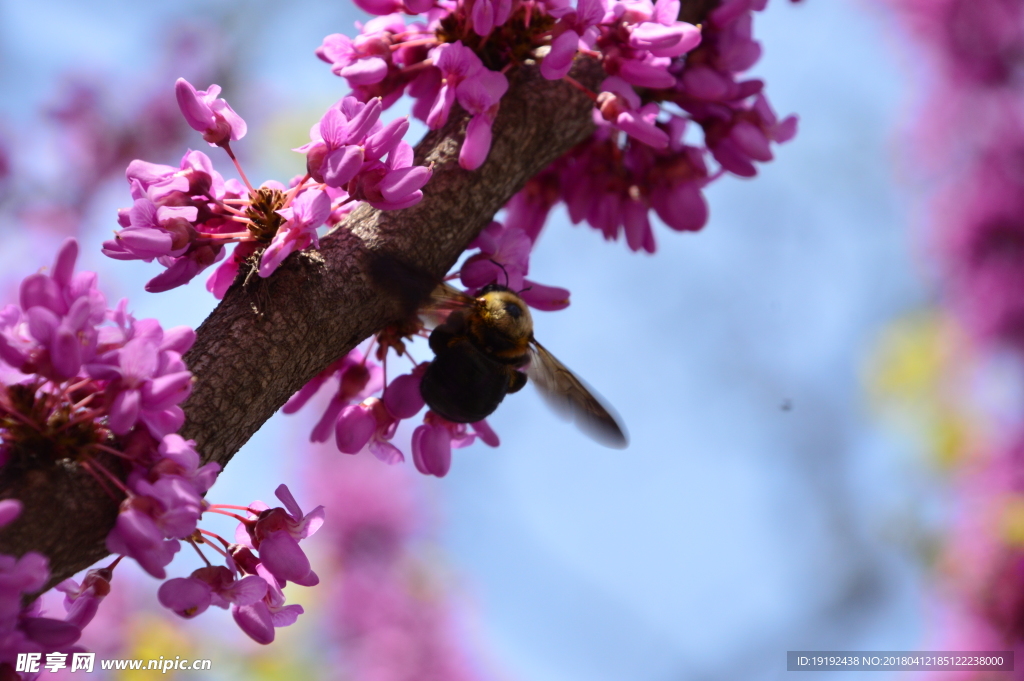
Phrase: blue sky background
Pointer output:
(731, 530)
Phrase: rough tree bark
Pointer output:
(267, 339)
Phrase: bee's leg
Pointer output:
(516, 381)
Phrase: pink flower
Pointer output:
(649, 71)
(183, 269)
(402, 396)
(177, 456)
(159, 179)
(353, 428)
(10, 509)
(358, 66)
(529, 208)
(81, 601)
(276, 532)
(488, 14)
(187, 597)
(216, 585)
(337, 369)
(369, 59)
(456, 63)
(153, 232)
(620, 105)
(504, 258)
(335, 154)
(260, 619)
(306, 213)
(368, 424)
(136, 534)
(546, 298)
(147, 381)
(737, 142)
(383, 139)
(479, 96)
(378, 7)
(570, 29)
(211, 116)
(357, 377)
(56, 329)
(174, 215)
(346, 150)
(23, 629)
(394, 184)
(432, 442)
(664, 35)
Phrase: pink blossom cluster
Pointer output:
(84, 384)
(163, 506)
(184, 217)
(461, 54)
(625, 179)
(971, 138)
(636, 161)
(63, 366)
(251, 584)
(364, 414)
(23, 626)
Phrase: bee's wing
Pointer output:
(444, 299)
(447, 297)
(571, 397)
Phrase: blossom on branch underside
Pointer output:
(88, 388)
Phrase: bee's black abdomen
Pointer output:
(463, 384)
(516, 381)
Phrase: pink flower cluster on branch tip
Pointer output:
(185, 217)
(256, 599)
(347, 154)
(637, 161)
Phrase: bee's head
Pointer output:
(506, 311)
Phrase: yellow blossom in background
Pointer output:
(1012, 525)
(916, 378)
(153, 637)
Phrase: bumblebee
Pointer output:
(484, 349)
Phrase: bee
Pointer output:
(484, 350)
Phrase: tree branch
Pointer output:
(268, 338)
